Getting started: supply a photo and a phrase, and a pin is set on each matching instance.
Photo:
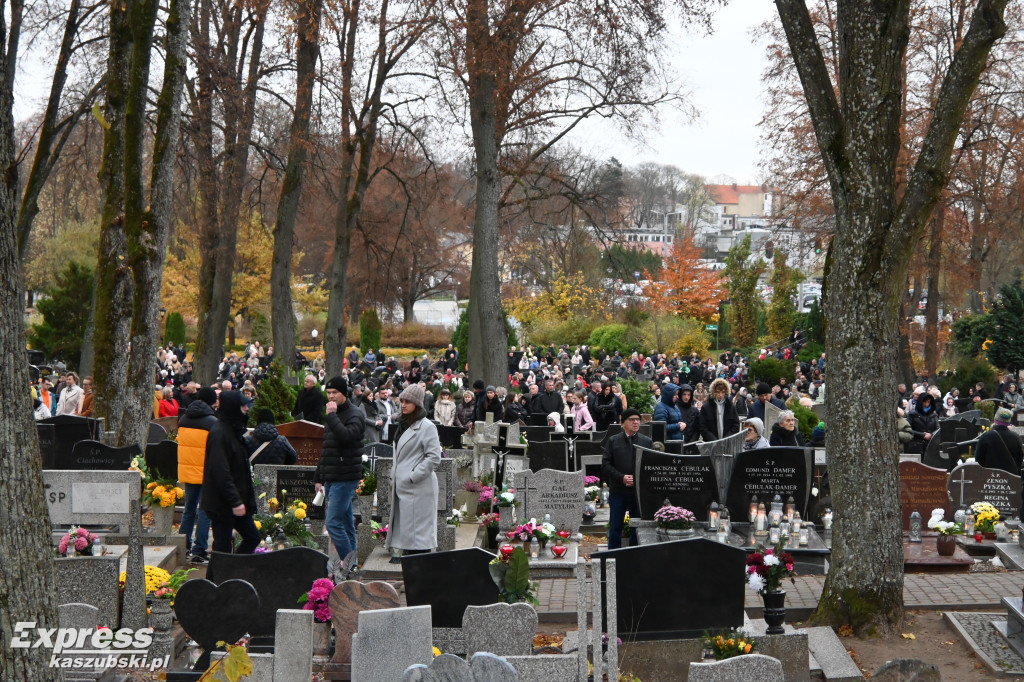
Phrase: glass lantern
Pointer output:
(914, 534)
(752, 516)
(804, 535)
(774, 535)
(761, 520)
(790, 507)
(969, 521)
(796, 523)
(713, 517)
(775, 515)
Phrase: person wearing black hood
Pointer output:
(924, 421)
(228, 496)
(689, 413)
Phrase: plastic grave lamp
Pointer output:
(506, 551)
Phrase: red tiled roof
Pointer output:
(730, 194)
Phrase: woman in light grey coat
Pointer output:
(413, 523)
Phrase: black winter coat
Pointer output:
(709, 420)
(278, 450)
(309, 405)
(620, 459)
(227, 479)
(783, 438)
(341, 458)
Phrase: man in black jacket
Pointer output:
(549, 401)
(617, 468)
(228, 496)
(309, 403)
(341, 464)
(999, 447)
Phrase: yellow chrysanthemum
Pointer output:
(278, 515)
(300, 513)
(437, 652)
(259, 526)
(179, 492)
(151, 485)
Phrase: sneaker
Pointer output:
(198, 560)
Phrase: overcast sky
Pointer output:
(723, 72)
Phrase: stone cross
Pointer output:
(962, 482)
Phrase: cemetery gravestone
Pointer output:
(389, 641)
(382, 467)
(47, 445)
(970, 483)
(169, 424)
(557, 493)
(68, 430)
(771, 416)
(162, 459)
(279, 577)
(769, 472)
(80, 616)
(156, 433)
(94, 579)
(450, 436)
(92, 455)
(306, 437)
(287, 484)
(375, 451)
(502, 629)
(538, 434)
(211, 613)
(685, 481)
(657, 431)
(350, 598)
(922, 489)
(466, 568)
(651, 607)
(549, 455)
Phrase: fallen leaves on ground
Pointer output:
(547, 640)
(845, 631)
(908, 635)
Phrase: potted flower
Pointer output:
(316, 600)
(161, 611)
(986, 517)
(506, 502)
(160, 495)
(544, 532)
(765, 570)
(489, 521)
(379, 532)
(510, 571)
(485, 501)
(455, 518)
(728, 645)
(945, 543)
(289, 523)
(675, 521)
(364, 495)
(76, 542)
(469, 496)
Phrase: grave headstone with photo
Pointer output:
(557, 493)
(768, 472)
(922, 489)
(306, 437)
(684, 480)
(970, 483)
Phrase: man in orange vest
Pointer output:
(193, 428)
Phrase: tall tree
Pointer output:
(529, 72)
(228, 37)
(880, 217)
(690, 288)
(307, 51)
(27, 583)
(784, 281)
(741, 275)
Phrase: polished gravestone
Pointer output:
(768, 472)
(538, 434)
(156, 433)
(347, 600)
(922, 489)
(47, 446)
(970, 483)
(685, 481)
(162, 459)
(95, 456)
(306, 437)
(448, 582)
(549, 455)
(287, 484)
(450, 436)
(210, 613)
(280, 578)
(68, 430)
(703, 590)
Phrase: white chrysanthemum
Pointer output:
(366, 458)
(756, 582)
(771, 560)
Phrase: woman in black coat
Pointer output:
(785, 433)
(718, 399)
(924, 421)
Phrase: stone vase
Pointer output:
(321, 639)
(675, 533)
(163, 519)
(774, 610)
(506, 518)
(468, 499)
(363, 505)
(161, 615)
(945, 545)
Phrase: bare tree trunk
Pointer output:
(487, 339)
(905, 371)
(931, 308)
(27, 583)
(306, 53)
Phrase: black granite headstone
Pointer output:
(162, 459)
(96, 456)
(537, 434)
(768, 472)
(450, 436)
(674, 447)
(426, 575)
(651, 607)
(686, 481)
(612, 430)
(211, 613)
(536, 420)
(549, 455)
(300, 485)
(657, 431)
(68, 430)
(156, 434)
(46, 444)
(970, 483)
(280, 578)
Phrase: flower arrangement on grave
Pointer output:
(290, 521)
(510, 571)
(473, 486)
(942, 527)
(985, 517)
(544, 532)
(625, 526)
(155, 577)
(766, 568)
(507, 498)
(674, 518)
(378, 531)
(455, 518)
(156, 492)
(168, 589)
(485, 500)
(316, 598)
(730, 644)
(368, 484)
(79, 538)
(592, 492)
(591, 480)
(521, 532)
(489, 520)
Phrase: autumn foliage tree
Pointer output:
(690, 288)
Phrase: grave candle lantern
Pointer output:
(753, 508)
(796, 523)
(804, 535)
(775, 516)
(713, 517)
(915, 527)
(969, 522)
(761, 520)
(790, 507)
(774, 535)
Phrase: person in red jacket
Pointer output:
(168, 405)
